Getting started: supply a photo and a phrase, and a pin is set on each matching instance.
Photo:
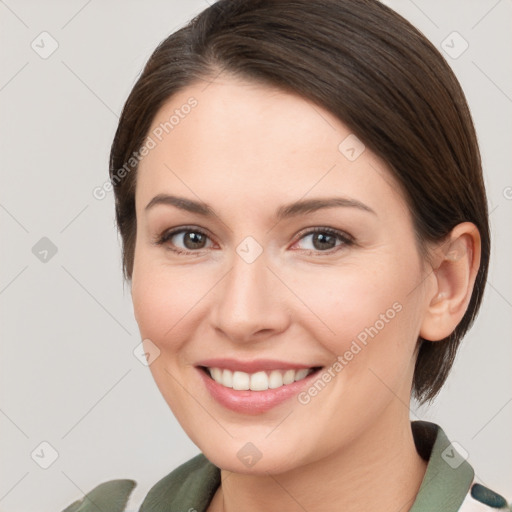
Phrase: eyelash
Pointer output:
(344, 237)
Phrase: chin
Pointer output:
(258, 458)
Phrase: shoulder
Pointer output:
(112, 496)
(189, 486)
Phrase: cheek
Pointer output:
(369, 318)
(158, 303)
(163, 302)
(348, 301)
(152, 304)
(168, 300)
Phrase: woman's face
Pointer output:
(257, 293)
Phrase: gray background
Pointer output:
(68, 373)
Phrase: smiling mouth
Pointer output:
(258, 381)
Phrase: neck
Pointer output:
(381, 470)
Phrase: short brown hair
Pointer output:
(373, 70)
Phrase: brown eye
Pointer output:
(193, 239)
(184, 240)
(323, 241)
(326, 239)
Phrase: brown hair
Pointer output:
(368, 66)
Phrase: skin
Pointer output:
(247, 149)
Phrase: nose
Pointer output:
(250, 302)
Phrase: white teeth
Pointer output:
(300, 374)
(275, 380)
(240, 380)
(227, 378)
(289, 376)
(216, 374)
(259, 381)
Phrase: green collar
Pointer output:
(444, 487)
(448, 477)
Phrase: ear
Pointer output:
(456, 265)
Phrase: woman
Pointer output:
(304, 223)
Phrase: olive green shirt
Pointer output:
(448, 484)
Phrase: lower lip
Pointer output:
(253, 402)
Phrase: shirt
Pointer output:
(448, 484)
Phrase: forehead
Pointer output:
(214, 138)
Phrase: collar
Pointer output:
(448, 476)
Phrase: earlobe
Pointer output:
(456, 267)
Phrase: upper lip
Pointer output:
(253, 366)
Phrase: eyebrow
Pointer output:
(296, 208)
